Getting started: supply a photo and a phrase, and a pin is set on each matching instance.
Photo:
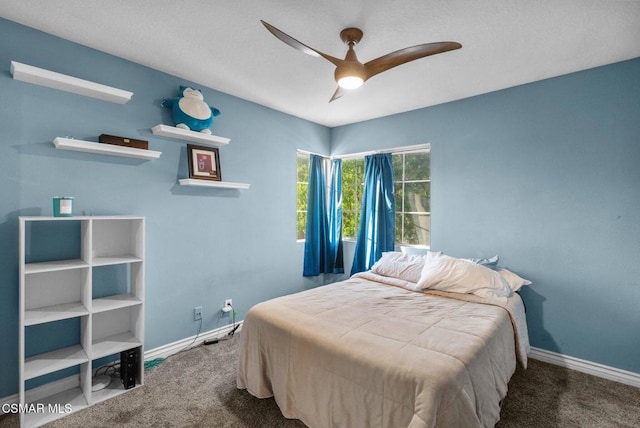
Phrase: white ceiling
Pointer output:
(222, 45)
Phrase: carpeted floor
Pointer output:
(197, 388)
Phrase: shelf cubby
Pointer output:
(72, 396)
(117, 241)
(55, 294)
(116, 330)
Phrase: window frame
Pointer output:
(403, 181)
(422, 148)
(301, 154)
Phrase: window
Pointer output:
(412, 178)
(303, 184)
(352, 189)
(412, 188)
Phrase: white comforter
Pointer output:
(367, 352)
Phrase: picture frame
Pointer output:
(204, 163)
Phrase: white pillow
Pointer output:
(403, 266)
(513, 280)
(445, 273)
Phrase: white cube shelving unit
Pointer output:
(55, 290)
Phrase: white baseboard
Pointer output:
(164, 351)
(588, 367)
(169, 349)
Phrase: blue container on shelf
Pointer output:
(63, 206)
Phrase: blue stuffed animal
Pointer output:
(190, 111)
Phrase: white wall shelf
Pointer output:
(211, 183)
(63, 82)
(104, 149)
(187, 135)
(110, 322)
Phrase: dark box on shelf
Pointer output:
(123, 141)
(128, 367)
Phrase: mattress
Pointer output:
(370, 352)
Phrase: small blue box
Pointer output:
(63, 206)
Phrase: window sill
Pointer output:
(408, 248)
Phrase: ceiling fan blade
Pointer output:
(337, 94)
(405, 55)
(299, 45)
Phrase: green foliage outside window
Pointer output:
(352, 188)
(303, 185)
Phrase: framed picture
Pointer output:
(204, 163)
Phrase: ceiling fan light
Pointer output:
(350, 82)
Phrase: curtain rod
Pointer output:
(402, 149)
(312, 153)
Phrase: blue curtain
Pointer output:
(376, 233)
(321, 250)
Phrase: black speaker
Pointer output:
(128, 367)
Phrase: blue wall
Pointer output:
(547, 175)
(249, 252)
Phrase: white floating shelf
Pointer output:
(210, 183)
(63, 82)
(184, 134)
(104, 149)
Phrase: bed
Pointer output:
(376, 351)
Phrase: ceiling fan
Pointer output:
(351, 73)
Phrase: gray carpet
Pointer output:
(197, 388)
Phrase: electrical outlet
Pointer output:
(197, 313)
(228, 302)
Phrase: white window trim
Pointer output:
(402, 149)
(394, 150)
